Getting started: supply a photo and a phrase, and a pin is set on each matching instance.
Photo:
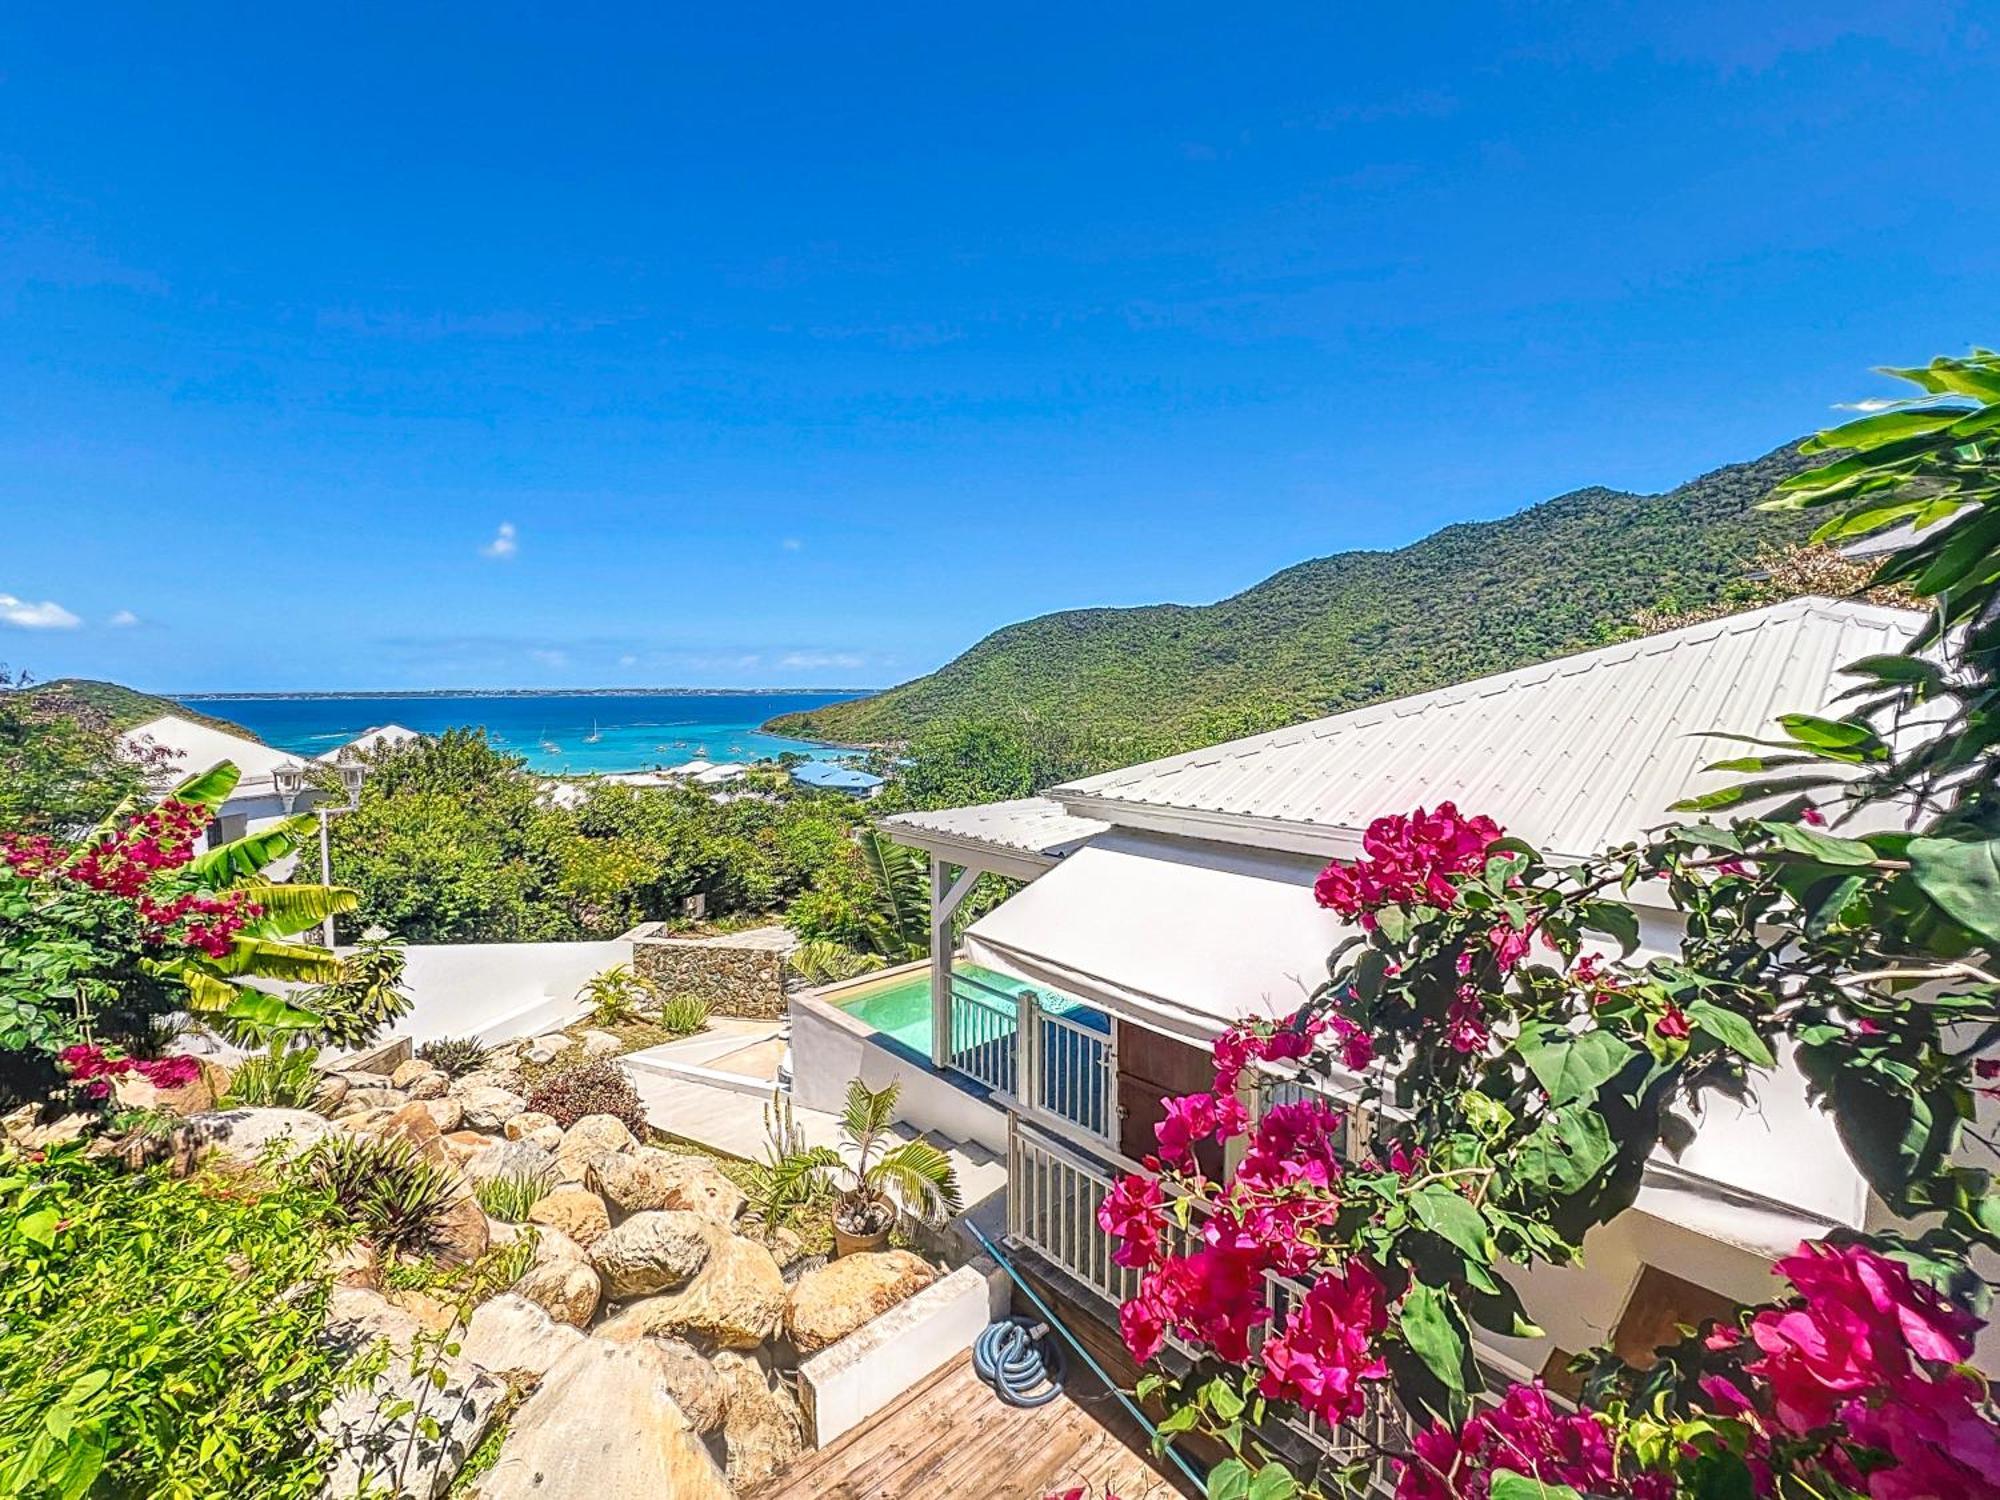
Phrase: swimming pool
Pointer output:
(900, 1007)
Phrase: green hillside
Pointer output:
(126, 707)
(1341, 631)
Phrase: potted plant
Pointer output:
(873, 1180)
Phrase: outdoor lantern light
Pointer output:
(351, 773)
(290, 779)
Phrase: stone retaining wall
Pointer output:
(746, 980)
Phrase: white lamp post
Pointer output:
(291, 781)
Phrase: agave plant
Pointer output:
(455, 1055)
(382, 1186)
(873, 1179)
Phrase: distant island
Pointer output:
(570, 692)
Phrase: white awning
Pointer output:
(1184, 937)
(1188, 938)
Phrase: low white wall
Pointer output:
(843, 1386)
(498, 991)
(829, 1047)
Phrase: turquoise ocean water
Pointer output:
(562, 733)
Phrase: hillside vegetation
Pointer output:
(127, 707)
(1338, 632)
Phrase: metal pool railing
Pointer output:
(982, 1041)
(1057, 1065)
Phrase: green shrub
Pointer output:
(592, 1088)
(159, 1336)
(684, 1015)
(826, 961)
(275, 1080)
(382, 1187)
(359, 1005)
(455, 1055)
(616, 995)
(509, 1198)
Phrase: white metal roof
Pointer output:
(1573, 755)
(368, 742)
(195, 747)
(1031, 827)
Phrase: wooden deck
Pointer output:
(953, 1436)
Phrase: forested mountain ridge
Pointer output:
(1341, 631)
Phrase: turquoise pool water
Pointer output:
(901, 1008)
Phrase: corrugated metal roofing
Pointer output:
(1025, 825)
(1573, 755)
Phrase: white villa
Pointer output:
(1169, 900)
(272, 785)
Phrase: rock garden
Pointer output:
(541, 1300)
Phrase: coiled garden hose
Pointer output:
(1021, 1361)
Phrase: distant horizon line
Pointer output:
(553, 692)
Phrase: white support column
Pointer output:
(940, 963)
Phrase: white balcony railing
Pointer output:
(1056, 1066)
(1053, 1195)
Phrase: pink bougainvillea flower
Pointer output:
(1322, 1356)
(1465, 1024)
(1134, 1213)
(1407, 860)
(1293, 1144)
(1673, 1022)
(1509, 945)
(1524, 1434)
(1940, 1442)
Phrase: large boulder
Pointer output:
(576, 1211)
(567, 1290)
(488, 1108)
(692, 1381)
(589, 1138)
(537, 1129)
(553, 1244)
(244, 1135)
(432, 1085)
(417, 1128)
(511, 1159)
(459, 1234)
(358, 1318)
(736, 1301)
(397, 1457)
(513, 1338)
(647, 1178)
(374, 1099)
(409, 1070)
(597, 1044)
(764, 1429)
(447, 1112)
(602, 1426)
(203, 1092)
(650, 1252)
(828, 1304)
(509, 1079)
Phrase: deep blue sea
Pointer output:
(633, 732)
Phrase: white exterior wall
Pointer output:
(498, 991)
(829, 1047)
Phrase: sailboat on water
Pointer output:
(595, 734)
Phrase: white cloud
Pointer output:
(48, 615)
(792, 544)
(628, 660)
(812, 660)
(551, 658)
(1873, 403)
(506, 542)
(123, 620)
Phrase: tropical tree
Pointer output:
(872, 1179)
(1520, 1062)
(62, 761)
(103, 939)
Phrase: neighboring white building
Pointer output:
(255, 804)
(367, 743)
(1172, 899)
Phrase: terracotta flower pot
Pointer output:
(857, 1244)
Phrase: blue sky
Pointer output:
(358, 348)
